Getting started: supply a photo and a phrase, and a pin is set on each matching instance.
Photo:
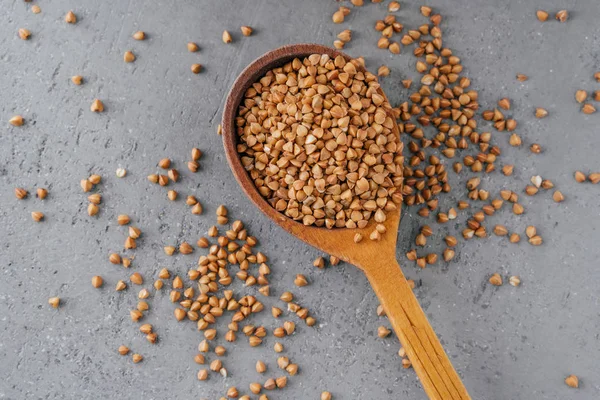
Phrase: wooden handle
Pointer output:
(428, 358)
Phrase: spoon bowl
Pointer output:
(377, 259)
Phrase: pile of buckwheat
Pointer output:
(320, 144)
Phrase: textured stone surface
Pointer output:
(507, 343)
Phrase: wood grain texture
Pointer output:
(376, 258)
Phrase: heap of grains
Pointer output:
(320, 143)
(206, 294)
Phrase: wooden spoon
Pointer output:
(377, 259)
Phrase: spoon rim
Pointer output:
(251, 74)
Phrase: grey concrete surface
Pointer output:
(507, 343)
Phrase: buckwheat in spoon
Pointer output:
(310, 137)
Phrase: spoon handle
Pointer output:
(428, 358)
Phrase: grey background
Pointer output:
(506, 343)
